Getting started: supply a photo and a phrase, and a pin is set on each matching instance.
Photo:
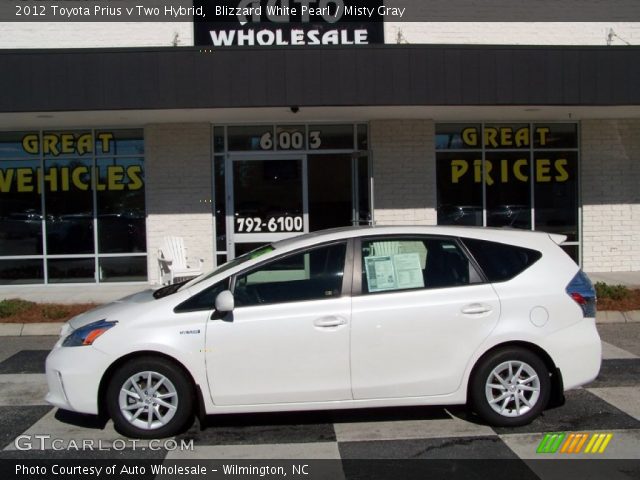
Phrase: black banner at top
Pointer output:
(349, 11)
(227, 23)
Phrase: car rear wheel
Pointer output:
(510, 387)
(150, 398)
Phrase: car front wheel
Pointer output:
(510, 387)
(150, 398)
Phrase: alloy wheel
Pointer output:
(148, 400)
(512, 388)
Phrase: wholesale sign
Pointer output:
(251, 23)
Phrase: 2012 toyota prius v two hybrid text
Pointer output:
(503, 320)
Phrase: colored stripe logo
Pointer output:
(560, 442)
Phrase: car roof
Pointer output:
(503, 235)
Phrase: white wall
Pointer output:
(94, 34)
(610, 170)
(178, 186)
(513, 33)
(404, 172)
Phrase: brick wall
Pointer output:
(611, 195)
(404, 172)
(178, 186)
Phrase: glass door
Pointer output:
(267, 200)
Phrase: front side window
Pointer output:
(414, 263)
(311, 275)
(204, 300)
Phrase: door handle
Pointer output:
(476, 309)
(330, 321)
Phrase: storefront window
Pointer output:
(67, 196)
(276, 181)
(120, 205)
(516, 175)
(69, 205)
(508, 189)
(459, 188)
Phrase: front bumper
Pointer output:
(73, 377)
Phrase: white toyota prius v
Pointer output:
(501, 320)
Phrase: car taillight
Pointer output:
(581, 290)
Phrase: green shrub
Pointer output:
(14, 306)
(614, 292)
(54, 312)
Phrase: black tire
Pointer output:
(176, 389)
(510, 417)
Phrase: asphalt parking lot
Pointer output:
(32, 429)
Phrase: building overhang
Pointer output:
(416, 77)
(137, 118)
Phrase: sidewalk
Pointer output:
(89, 293)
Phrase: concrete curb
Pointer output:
(29, 329)
(34, 329)
(611, 316)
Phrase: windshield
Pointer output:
(258, 252)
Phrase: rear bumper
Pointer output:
(577, 352)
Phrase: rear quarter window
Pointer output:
(499, 261)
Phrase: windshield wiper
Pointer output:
(168, 290)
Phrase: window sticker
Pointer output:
(380, 273)
(394, 272)
(409, 270)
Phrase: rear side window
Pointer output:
(499, 261)
(395, 264)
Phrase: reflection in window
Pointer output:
(123, 269)
(21, 271)
(507, 178)
(459, 188)
(264, 190)
(312, 275)
(84, 179)
(329, 207)
(69, 205)
(120, 205)
(526, 173)
(556, 193)
(20, 207)
(220, 203)
(71, 270)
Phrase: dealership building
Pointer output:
(116, 135)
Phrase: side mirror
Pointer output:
(224, 302)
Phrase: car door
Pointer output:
(421, 313)
(287, 339)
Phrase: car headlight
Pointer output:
(88, 334)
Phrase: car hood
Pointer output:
(111, 311)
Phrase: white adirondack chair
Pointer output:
(173, 261)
